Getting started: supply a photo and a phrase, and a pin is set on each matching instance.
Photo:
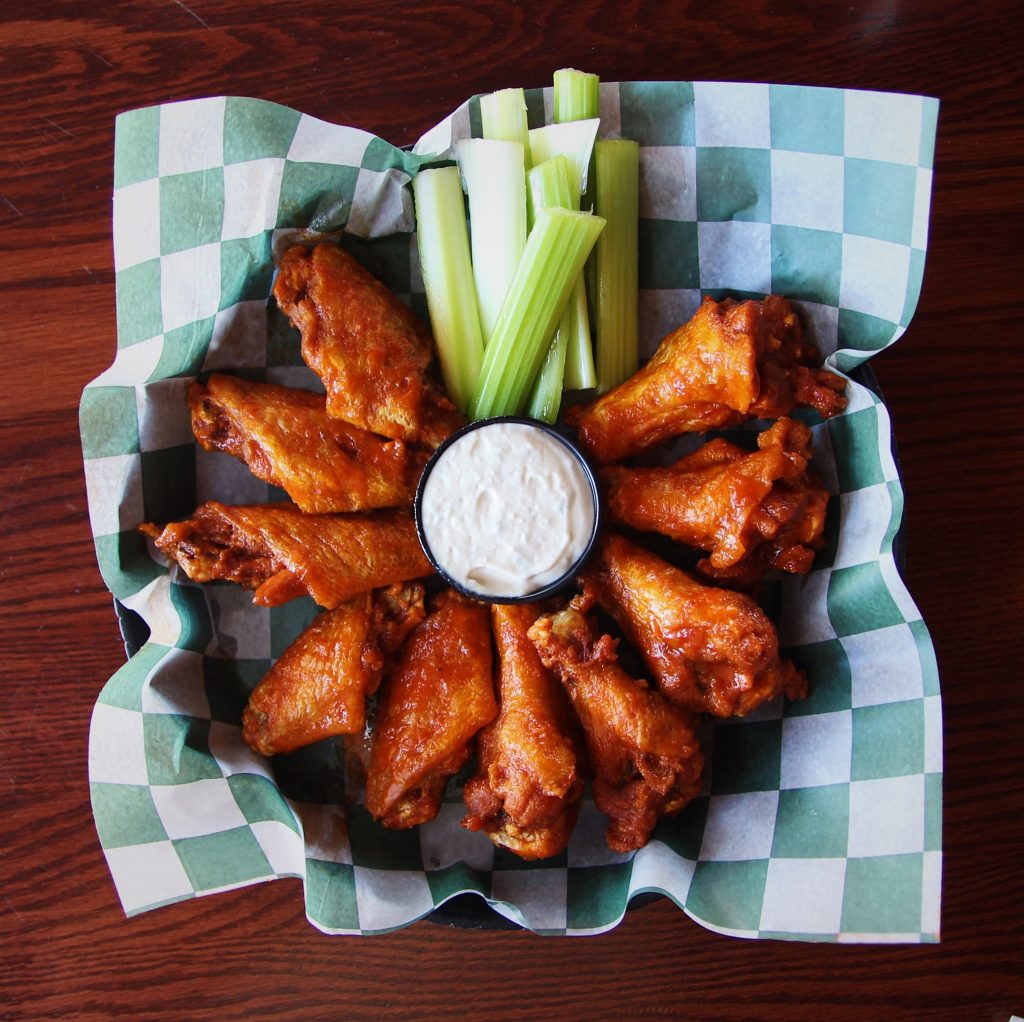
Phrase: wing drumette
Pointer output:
(433, 703)
(732, 361)
(287, 438)
(643, 752)
(750, 511)
(370, 350)
(527, 791)
(283, 553)
(317, 688)
(711, 650)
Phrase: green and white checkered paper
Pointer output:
(820, 820)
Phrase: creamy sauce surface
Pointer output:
(507, 509)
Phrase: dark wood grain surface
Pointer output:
(953, 385)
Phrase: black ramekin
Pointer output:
(557, 584)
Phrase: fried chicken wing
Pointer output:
(710, 650)
(438, 697)
(283, 553)
(317, 688)
(287, 438)
(643, 751)
(732, 361)
(526, 793)
(370, 350)
(750, 511)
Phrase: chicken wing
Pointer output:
(287, 438)
(643, 751)
(710, 650)
(370, 350)
(526, 793)
(732, 361)
(750, 511)
(283, 553)
(317, 688)
(438, 697)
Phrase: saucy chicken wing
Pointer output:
(710, 650)
(643, 752)
(526, 793)
(283, 553)
(439, 695)
(732, 361)
(750, 511)
(370, 350)
(317, 688)
(287, 438)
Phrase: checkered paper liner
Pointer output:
(820, 820)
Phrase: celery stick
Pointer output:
(578, 98)
(503, 115)
(495, 179)
(556, 250)
(579, 359)
(577, 95)
(553, 183)
(580, 373)
(448, 280)
(617, 191)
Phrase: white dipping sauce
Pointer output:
(507, 509)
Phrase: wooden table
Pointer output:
(953, 385)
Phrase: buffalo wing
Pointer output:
(643, 752)
(317, 688)
(370, 350)
(710, 650)
(732, 361)
(287, 438)
(750, 511)
(283, 553)
(526, 793)
(439, 695)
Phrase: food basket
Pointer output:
(820, 820)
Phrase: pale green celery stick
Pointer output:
(503, 117)
(578, 98)
(617, 188)
(553, 183)
(448, 280)
(580, 373)
(575, 141)
(556, 250)
(495, 179)
(577, 95)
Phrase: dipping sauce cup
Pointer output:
(507, 510)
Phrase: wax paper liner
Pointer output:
(820, 820)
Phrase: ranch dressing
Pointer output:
(507, 509)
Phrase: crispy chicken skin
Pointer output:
(526, 793)
(750, 510)
(732, 361)
(283, 553)
(439, 695)
(317, 688)
(710, 650)
(643, 752)
(287, 438)
(370, 350)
